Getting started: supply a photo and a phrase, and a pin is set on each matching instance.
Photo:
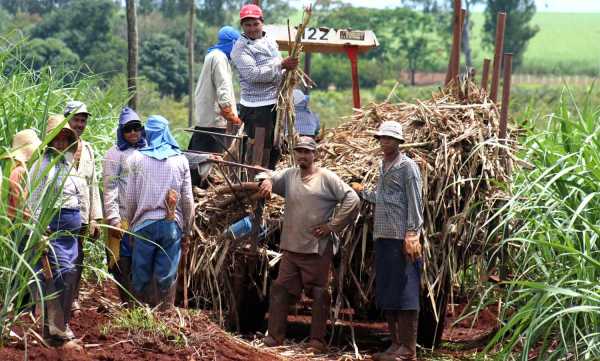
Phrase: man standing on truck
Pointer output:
(397, 226)
(257, 59)
(311, 196)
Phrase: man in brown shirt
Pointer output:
(311, 196)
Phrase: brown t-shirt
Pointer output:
(310, 203)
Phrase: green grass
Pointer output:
(567, 43)
(142, 320)
(551, 303)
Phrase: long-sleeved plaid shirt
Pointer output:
(397, 199)
(259, 65)
(149, 182)
(91, 203)
(115, 183)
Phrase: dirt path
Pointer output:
(195, 337)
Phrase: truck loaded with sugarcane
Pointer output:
(369, 220)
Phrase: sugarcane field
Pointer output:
(285, 180)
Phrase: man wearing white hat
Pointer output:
(396, 228)
(91, 203)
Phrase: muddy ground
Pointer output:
(198, 338)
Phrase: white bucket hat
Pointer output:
(390, 129)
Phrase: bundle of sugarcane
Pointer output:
(455, 143)
(286, 114)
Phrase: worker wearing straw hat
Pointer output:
(53, 175)
(24, 145)
(311, 196)
(260, 66)
(160, 210)
(91, 204)
(130, 137)
(396, 227)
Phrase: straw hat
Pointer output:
(24, 144)
(57, 120)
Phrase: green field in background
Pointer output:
(567, 43)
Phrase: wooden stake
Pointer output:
(455, 41)
(485, 74)
(500, 25)
(502, 129)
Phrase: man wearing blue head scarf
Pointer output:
(130, 138)
(215, 107)
(160, 210)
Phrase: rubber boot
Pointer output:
(279, 304)
(167, 297)
(75, 306)
(122, 274)
(392, 320)
(68, 280)
(408, 321)
(320, 315)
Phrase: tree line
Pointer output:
(91, 35)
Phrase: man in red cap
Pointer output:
(257, 59)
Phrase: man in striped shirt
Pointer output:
(257, 59)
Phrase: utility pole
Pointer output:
(191, 62)
(132, 54)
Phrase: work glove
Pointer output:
(289, 63)
(116, 231)
(357, 187)
(93, 230)
(412, 246)
(229, 115)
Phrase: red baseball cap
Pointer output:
(251, 11)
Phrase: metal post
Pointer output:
(455, 41)
(352, 53)
(485, 74)
(500, 25)
(502, 129)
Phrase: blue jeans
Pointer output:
(156, 252)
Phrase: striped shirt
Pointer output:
(397, 199)
(149, 182)
(259, 65)
(115, 183)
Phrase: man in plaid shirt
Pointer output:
(396, 229)
(257, 59)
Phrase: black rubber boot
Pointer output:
(320, 315)
(392, 320)
(408, 321)
(122, 274)
(279, 304)
(167, 297)
(75, 306)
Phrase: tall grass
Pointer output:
(551, 307)
(26, 99)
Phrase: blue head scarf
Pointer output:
(127, 116)
(227, 37)
(161, 144)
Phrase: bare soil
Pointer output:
(204, 340)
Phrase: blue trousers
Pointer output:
(64, 247)
(397, 280)
(156, 253)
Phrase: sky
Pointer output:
(586, 6)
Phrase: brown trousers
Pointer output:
(299, 271)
